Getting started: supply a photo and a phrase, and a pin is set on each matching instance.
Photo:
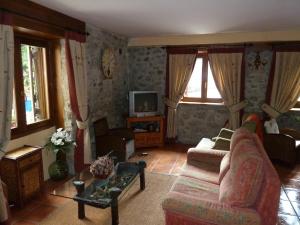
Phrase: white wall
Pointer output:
(36, 139)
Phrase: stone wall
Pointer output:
(146, 68)
(107, 97)
(195, 121)
(256, 81)
(147, 71)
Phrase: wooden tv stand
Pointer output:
(148, 131)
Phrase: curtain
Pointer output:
(284, 83)
(227, 70)
(39, 69)
(6, 93)
(77, 79)
(180, 70)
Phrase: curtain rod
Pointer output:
(52, 24)
(234, 45)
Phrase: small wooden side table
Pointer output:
(22, 171)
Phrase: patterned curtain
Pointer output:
(77, 79)
(6, 93)
(180, 70)
(284, 83)
(227, 70)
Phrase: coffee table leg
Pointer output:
(114, 193)
(81, 211)
(114, 212)
(79, 185)
(142, 165)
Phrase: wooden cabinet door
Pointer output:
(30, 181)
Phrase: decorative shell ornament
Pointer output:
(108, 63)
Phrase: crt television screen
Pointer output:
(145, 102)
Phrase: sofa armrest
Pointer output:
(281, 147)
(195, 156)
(211, 212)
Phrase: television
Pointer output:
(143, 103)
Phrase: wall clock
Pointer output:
(108, 63)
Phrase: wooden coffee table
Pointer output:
(104, 193)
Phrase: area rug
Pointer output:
(135, 207)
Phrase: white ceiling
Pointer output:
(136, 18)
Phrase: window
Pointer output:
(32, 100)
(202, 87)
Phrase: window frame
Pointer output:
(204, 80)
(22, 128)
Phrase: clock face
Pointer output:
(108, 63)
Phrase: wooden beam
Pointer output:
(31, 15)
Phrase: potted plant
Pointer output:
(60, 143)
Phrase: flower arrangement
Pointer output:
(61, 140)
(102, 167)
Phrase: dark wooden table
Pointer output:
(126, 172)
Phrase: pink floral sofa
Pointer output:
(236, 187)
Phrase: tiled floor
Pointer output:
(167, 160)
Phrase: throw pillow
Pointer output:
(249, 125)
(222, 144)
(259, 126)
(225, 133)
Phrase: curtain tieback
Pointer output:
(171, 104)
(271, 111)
(82, 124)
(237, 107)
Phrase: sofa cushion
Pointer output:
(196, 188)
(197, 199)
(241, 184)
(202, 171)
(238, 135)
(224, 166)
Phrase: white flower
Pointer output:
(59, 129)
(58, 142)
(53, 139)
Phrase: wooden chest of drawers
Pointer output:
(22, 171)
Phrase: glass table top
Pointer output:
(68, 190)
(98, 191)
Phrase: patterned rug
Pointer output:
(135, 207)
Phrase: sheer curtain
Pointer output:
(227, 69)
(6, 93)
(180, 71)
(77, 79)
(284, 83)
(39, 67)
